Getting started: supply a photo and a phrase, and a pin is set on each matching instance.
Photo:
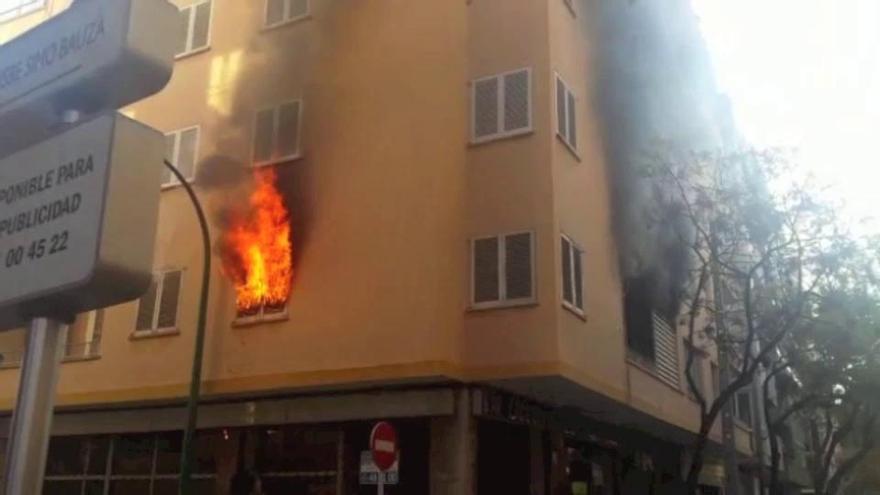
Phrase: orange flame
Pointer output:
(258, 258)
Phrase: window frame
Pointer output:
(276, 113)
(175, 160)
(573, 247)
(286, 19)
(24, 7)
(565, 137)
(502, 301)
(155, 331)
(501, 133)
(190, 30)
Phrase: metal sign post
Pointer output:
(32, 417)
(70, 167)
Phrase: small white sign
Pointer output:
(95, 56)
(78, 218)
(369, 473)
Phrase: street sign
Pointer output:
(78, 219)
(383, 445)
(371, 475)
(97, 55)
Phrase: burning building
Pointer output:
(433, 233)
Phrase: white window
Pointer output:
(84, 336)
(566, 126)
(10, 9)
(157, 309)
(283, 11)
(277, 133)
(572, 276)
(181, 149)
(501, 106)
(502, 270)
(195, 28)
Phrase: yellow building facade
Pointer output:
(455, 267)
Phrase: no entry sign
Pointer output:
(384, 446)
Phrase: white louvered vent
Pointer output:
(666, 352)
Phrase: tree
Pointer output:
(759, 243)
(833, 367)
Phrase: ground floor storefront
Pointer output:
(452, 440)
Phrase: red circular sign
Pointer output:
(383, 445)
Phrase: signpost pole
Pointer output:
(32, 417)
(381, 485)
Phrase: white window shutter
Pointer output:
(201, 26)
(485, 111)
(578, 278)
(567, 290)
(183, 30)
(275, 11)
(186, 154)
(517, 101)
(298, 8)
(171, 156)
(264, 131)
(572, 126)
(485, 261)
(518, 266)
(167, 317)
(146, 308)
(288, 130)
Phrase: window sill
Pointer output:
(571, 308)
(250, 321)
(192, 53)
(153, 334)
(174, 185)
(742, 425)
(278, 161)
(78, 359)
(287, 22)
(571, 149)
(516, 303)
(643, 364)
(500, 137)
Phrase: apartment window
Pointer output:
(696, 371)
(502, 270)
(744, 406)
(502, 106)
(282, 11)
(181, 149)
(10, 9)
(157, 309)
(277, 133)
(572, 275)
(84, 336)
(195, 28)
(566, 126)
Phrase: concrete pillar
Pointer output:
(453, 450)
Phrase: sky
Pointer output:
(805, 75)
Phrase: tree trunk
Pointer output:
(697, 461)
